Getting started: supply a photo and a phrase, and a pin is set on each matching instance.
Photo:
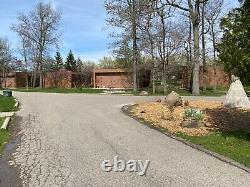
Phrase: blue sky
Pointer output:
(82, 28)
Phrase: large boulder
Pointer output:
(173, 99)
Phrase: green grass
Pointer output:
(7, 104)
(235, 145)
(4, 135)
(61, 90)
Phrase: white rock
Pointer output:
(236, 96)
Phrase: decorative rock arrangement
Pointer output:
(173, 99)
(236, 96)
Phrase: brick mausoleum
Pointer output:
(112, 78)
(221, 78)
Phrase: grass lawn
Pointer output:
(61, 90)
(235, 145)
(7, 104)
(4, 135)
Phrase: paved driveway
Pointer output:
(67, 136)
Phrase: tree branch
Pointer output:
(176, 5)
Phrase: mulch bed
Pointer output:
(216, 117)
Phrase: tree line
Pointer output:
(164, 30)
(157, 34)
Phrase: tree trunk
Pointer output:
(214, 54)
(204, 49)
(135, 52)
(34, 77)
(164, 81)
(153, 72)
(40, 76)
(196, 65)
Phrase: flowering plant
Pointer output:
(194, 114)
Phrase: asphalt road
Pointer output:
(65, 137)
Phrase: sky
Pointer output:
(83, 25)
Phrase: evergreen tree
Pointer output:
(235, 44)
(71, 62)
(58, 64)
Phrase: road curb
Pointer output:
(6, 123)
(16, 104)
(126, 110)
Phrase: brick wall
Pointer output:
(218, 77)
(113, 80)
(15, 80)
(61, 79)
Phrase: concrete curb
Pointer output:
(126, 111)
(6, 123)
(16, 104)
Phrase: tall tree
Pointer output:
(5, 59)
(212, 15)
(203, 43)
(234, 49)
(125, 15)
(70, 62)
(148, 33)
(193, 8)
(39, 27)
(58, 64)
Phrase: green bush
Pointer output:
(194, 114)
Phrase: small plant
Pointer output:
(195, 114)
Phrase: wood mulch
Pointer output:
(216, 117)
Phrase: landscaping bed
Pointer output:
(222, 130)
(7, 104)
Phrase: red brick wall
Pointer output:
(221, 78)
(61, 79)
(214, 77)
(9, 83)
(15, 80)
(113, 80)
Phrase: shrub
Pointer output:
(194, 114)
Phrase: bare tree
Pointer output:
(148, 33)
(193, 8)
(163, 14)
(125, 14)
(39, 28)
(24, 50)
(5, 59)
(212, 15)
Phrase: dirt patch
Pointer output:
(216, 117)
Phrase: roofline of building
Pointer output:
(111, 70)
